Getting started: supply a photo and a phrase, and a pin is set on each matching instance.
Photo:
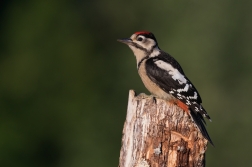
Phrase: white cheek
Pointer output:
(139, 54)
(146, 44)
(149, 44)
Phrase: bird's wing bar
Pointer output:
(172, 80)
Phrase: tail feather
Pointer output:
(204, 113)
(199, 108)
(199, 120)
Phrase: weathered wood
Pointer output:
(159, 134)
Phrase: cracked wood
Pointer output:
(159, 134)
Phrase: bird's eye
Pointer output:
(139, 39)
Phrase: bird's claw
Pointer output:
(144, 96)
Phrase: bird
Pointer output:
(164, 78)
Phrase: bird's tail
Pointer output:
(200, 122)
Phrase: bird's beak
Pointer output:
(126, 41)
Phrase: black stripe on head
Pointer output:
(147, 34)
(140, 47)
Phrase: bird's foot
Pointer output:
(145, 96)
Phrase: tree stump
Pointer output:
(157, 133)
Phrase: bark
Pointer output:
(157, 133)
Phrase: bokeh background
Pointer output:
(64, 80)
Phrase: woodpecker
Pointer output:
(163, 76)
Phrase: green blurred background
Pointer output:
(64, 80)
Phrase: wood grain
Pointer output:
(159, 134)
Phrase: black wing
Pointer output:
(165, 71)
(167, 82)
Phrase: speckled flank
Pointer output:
(185, 89)
(193, 97)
